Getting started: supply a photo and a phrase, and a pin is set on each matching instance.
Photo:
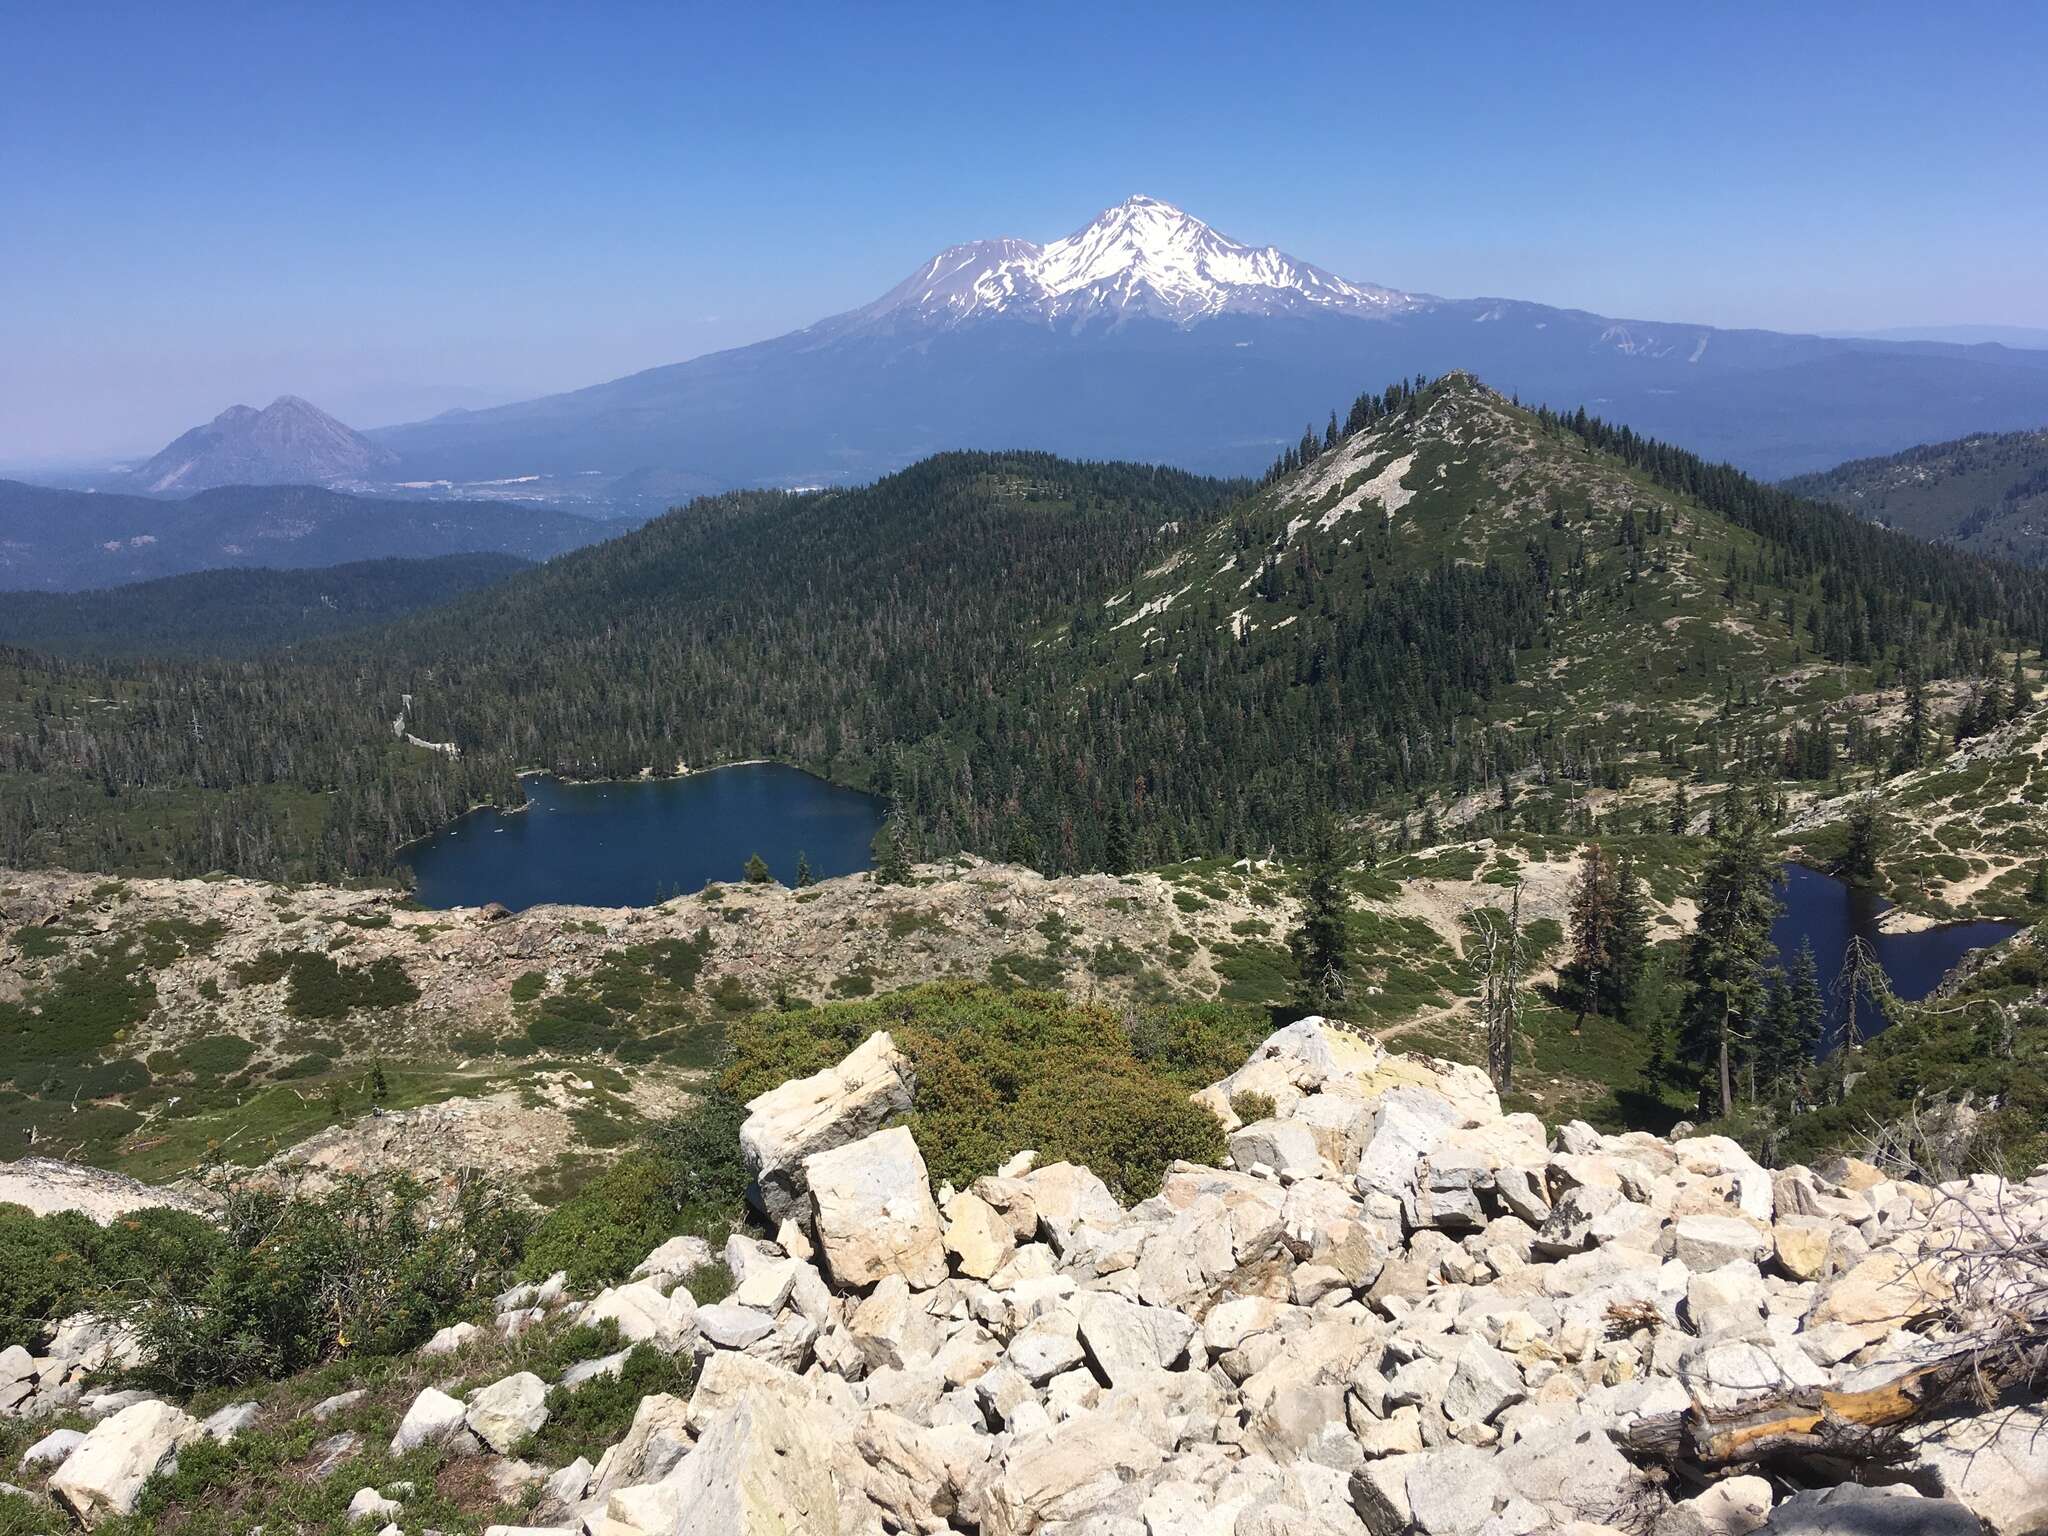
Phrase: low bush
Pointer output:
(591, 1417)
(688, 1177)
(1251, 1107)
(571, 1022)
(998, 1071)
(367, 1268)
(52, 1266)
(215, 1055)
(321, 988)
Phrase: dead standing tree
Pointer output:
(1499, 940)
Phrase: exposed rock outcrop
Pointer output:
(1405, 1313)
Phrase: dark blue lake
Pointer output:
(1829, 913)
(637, 843)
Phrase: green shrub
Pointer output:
(1250, 1107)
(312, 1064)
(571, 1022)
(527, 986)
(367, 1268)
(272, 965)
(52, 1266)
(165, 939)
(590, 1418)
(45, 942)
(731, 995)
(76, 1015)
(688, 1178)
(853, 984)
(323, 989)
(215, 1055)
(998, 1071)
(111, 1079)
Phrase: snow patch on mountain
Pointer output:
(1143, 257)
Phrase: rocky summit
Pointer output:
(1395, 1310)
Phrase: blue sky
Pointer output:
(389, 210)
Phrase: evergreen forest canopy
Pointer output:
(1072, 665)
(241, 612)
(1987, 493)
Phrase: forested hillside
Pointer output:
(1987, 493)
(240, 613)
(1078, 666)
(70, 541)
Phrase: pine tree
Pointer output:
(1591, 912)
(1116, 842)
(1912, 750)
(1322, 944)
(892, 864)
(1728, 957)
(1869, 836)
(758, 872)
(2037, 888)
(804, 875)
(1794, 1024)
(1628, 949)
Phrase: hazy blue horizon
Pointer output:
(392, 212)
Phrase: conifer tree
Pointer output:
(1792, 1031)
(892, 864)
(1322, 944)
(1629, 946)
(1869, 837)
(1591, 911)
(758, 872)
(1728, 958)
(804, 875)
(1116, 842)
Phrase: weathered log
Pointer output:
(1811, 1421)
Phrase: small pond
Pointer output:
(636, 843)
(1828, 913)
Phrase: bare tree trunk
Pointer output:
(1500, 998)
(1727, 1072)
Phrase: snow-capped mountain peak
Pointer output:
(1142, 257)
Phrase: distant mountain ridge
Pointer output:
(289, 442)
(1987, 493)
(65, 541)
(1144, 334)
